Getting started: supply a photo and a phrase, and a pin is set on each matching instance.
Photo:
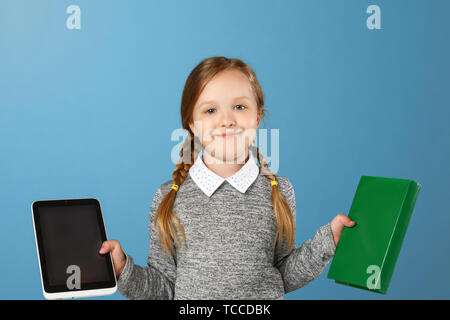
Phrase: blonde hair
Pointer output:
(165, 221)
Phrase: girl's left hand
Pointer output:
(338, 224)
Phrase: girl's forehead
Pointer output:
(229, 78)
(229, 85)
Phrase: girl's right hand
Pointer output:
(118, 256)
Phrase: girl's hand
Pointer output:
(118, 256)
(338, 224)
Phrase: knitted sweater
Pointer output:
(230, 250)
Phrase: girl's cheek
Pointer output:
(207, 136)
(202, 130)
(249, 135)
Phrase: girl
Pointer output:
(222, 229)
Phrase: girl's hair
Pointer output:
(165, 220)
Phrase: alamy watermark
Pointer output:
(228, 149)
(374, 20)
(74, 280)
(74, 20)
(374, 280)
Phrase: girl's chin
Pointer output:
(229, 157)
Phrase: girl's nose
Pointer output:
(227, 120)
(228, 123)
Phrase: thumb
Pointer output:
(348, 222)
(106, 247)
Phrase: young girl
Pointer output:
(222, 229)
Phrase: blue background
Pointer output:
(90, 112)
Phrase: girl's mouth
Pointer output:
(229, 134)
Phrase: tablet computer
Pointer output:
(69, 234)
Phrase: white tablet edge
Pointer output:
(72, 294)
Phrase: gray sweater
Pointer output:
(230, 248)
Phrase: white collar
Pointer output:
(208, 181)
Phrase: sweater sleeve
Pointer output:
(157, 280)
(304, 264)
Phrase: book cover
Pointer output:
(366, 253)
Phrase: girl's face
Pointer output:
(226, 116)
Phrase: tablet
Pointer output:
(69, 234)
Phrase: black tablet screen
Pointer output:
(71, 237)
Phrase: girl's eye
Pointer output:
(212, 110)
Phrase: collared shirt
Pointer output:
(230, 250)
(208, 181)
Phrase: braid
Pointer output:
(193, 147)
(283, 214)
(165, 219)
(264, 167)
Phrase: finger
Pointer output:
(107, 246)
(346, 221)
(350, 223)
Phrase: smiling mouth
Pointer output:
(229, 134)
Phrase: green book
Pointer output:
(366, 253)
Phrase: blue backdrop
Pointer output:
(89, 112)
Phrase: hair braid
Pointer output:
(283, 214)
(165, 219)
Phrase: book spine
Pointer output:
(399, 234)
